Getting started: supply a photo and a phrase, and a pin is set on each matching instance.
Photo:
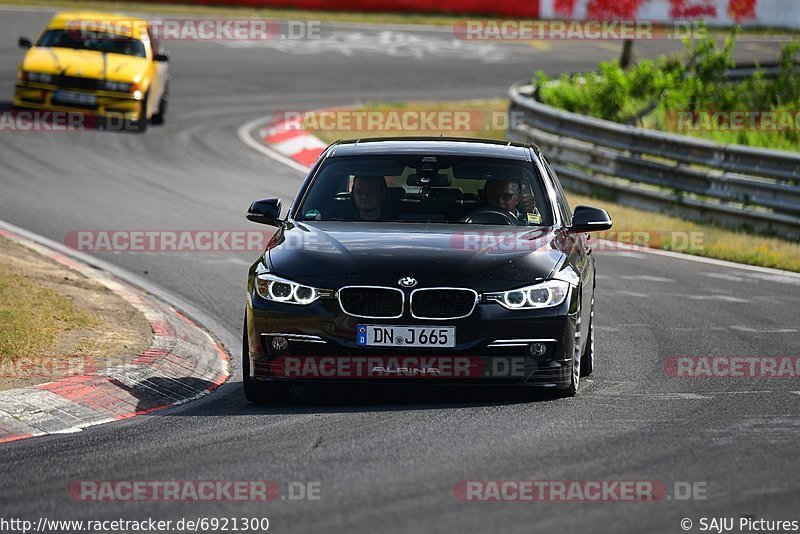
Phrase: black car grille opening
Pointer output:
(371, 302)
(442, 303)
(76, 82)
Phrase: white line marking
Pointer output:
(744, 392)
(700, 259)
(773, 330)
(672, 396)
(633, 294)
(718, 298)
(630, 255)
(244, 135)
(770, 278)
(648, 278)
(728, 277)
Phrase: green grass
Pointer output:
(671, 233)
(662, 120)
(630, 224)
(661, 93)
(668, 120)
(32, 316)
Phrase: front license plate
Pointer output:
(69, 97)
(369, 335)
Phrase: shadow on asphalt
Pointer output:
(329, 398)
(403, 397)
(156, 392)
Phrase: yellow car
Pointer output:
(98, 64)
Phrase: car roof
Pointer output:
(134, 26)
(455, 146)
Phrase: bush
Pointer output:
(650, 92)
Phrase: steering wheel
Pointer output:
(489, 215)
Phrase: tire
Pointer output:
(140, 124)
(587, 360)
(158, 118)
(575, 374)
(257, 392)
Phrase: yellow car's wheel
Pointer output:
(158, 118)
(140, 125)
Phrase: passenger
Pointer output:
(504, 194)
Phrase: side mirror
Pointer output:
(267, 211)
(163, 56)
(589, 219)
(24, 42)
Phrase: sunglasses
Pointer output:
(504, 197)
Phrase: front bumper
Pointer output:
(322, 347)
(107, 105)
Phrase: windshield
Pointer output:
(431, 189)
(99, 42)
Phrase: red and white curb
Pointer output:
(289, 139)
(183, 363)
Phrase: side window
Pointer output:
(154, 44)
(563, 205)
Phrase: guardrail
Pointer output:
(731, 185)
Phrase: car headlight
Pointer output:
(121, 87)
(39, 77)
(278, 289)
(544, 295)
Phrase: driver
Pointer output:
(369, 194)
(504, 194)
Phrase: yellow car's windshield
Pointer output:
(99, 42)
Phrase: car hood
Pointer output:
(85, 64)
(487, 258)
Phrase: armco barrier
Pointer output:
(731, 185)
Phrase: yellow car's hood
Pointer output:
(85, 63)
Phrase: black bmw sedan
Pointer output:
(424, 261)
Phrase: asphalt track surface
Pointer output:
(388, 459)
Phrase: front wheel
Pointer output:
(140, 124)
(255, 391)
(158, 118)
(587, 360)
(575, 374)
